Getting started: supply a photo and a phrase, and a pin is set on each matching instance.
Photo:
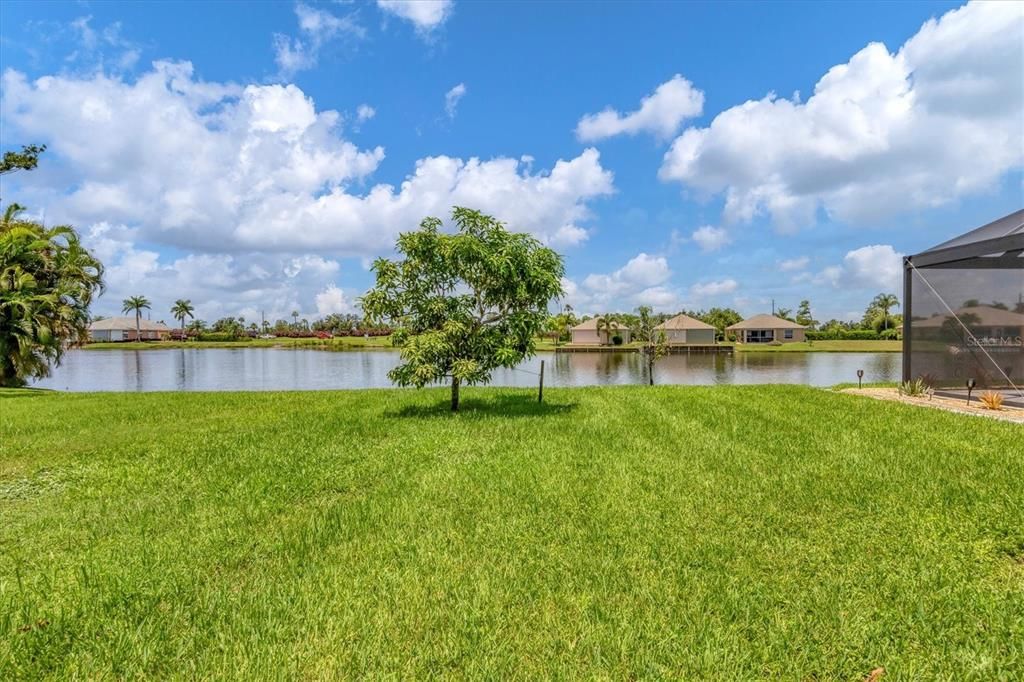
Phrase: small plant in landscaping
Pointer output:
(617, 340)
(916, 387)
(990, 400)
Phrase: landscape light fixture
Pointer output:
(970, 387)
(860, 378)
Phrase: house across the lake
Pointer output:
(683, 329)
(767, 329)
(123, 329)
(586, 333)
(986, 323)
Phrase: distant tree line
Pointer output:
(234, 328)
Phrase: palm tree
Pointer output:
(607, 324)
(135, 303)
(882, 303)
(181, 309)
(295, 316)
(47, 281)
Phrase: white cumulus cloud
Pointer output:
(883, 133)
(219, 167)
(716, 288)
(425, 15)
(332, 300)
(643, 280)
(878, 266)
(365, 112)
(660, 113)
(218, 284)
(874, 268)
(710, 238)
(794, 264)
(640, 272)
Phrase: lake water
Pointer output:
(266, 369)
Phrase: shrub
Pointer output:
(217, 336)
(991, 400)
(844, 335)
(891, 335)
(617, 340)
(913, 388)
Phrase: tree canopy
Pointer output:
(463, 304)
(26, 159)
(47, 281)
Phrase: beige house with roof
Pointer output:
(984, 321)
(683, 329)
(586, 333)
(123, 329)
(767, 329)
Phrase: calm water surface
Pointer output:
(270, 369)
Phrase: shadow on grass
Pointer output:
(7, 393)
(508, 406)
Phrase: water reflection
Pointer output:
(264, 369)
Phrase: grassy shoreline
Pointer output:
(694, 532)
(384, 342)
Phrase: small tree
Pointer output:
(181, 309)
(803, 314)
(463, 304)
(655, 345)
(607, 324)
(136, 304)
(719, 318)
(881, 305)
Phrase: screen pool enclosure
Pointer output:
(963, 312)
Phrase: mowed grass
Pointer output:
(717, 533)
(823, 347)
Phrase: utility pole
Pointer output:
(773, 307)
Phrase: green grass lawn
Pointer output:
(824, 347)
(702, 532)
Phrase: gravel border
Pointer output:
(1010, 414)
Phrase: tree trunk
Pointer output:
(455, 394)
(650, 371)
(9, 374)
(138, 334)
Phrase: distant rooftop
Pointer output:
(683, 322)
(765, 321)
(592, 324)
(126, 324)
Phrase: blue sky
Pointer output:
(252, 157)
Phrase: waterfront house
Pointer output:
(123, 329)
(686, 330)
(587, 334)
(767, 329)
